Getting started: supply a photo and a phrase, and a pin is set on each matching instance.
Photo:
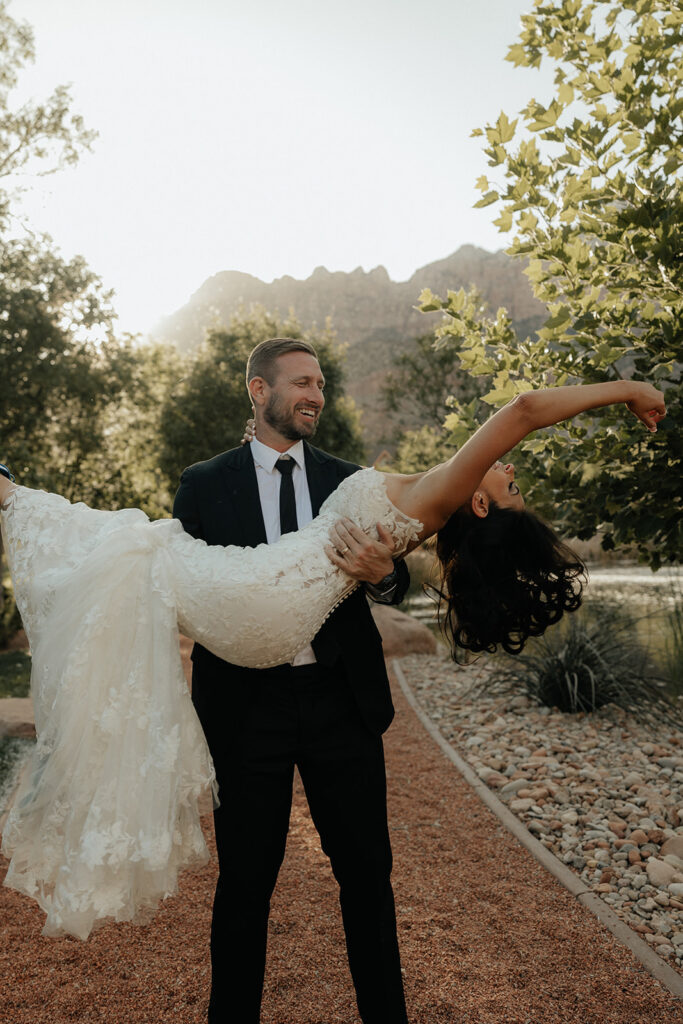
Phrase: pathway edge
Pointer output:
(654, 964)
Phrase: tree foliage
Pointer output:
(590, 185)
(81, 406)
(206, 412)
(36, 137)
(423, 382)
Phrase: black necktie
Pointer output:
(288, 522)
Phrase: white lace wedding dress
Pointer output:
(106, 814)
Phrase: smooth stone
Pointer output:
(659, 872)
(673, 845)
(638, 836)
(512, 786)
(521, 805)
(676, 888)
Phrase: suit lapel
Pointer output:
(321, 476)
(243, 492)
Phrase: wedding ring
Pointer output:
(344, 550)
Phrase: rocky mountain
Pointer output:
(372, 314)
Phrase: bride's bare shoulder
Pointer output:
(407, 491)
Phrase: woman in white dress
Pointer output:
(107, 814)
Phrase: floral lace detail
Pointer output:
(106, 814)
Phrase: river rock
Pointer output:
(660, 873)
(638, 836)
(673, 845)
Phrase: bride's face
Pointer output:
(499, 486)
(296, 397)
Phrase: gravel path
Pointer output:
(487, 935)
(603, 792)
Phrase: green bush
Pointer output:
(15, 674)
(589, 660)
(10, 620)
(673, 646)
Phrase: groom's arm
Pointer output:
(384, 578)
(393, 588)
(186, 506)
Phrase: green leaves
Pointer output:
(486, 200)
(594, 201)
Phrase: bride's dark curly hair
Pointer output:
(504, 578)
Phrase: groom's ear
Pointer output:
(257, 391)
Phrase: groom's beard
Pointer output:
(281, 419)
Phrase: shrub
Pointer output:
(592, 659)
(673, 646)
(10, 620)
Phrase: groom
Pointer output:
(324, 713)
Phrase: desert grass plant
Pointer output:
(591, 659)
(673, 645)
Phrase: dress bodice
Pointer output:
(106, 814)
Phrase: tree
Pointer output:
(590, 183)
(36, 138)
(79, 406)
(206, 412)
(424, 381)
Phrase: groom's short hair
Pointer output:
(262, 358)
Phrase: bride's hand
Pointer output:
(647, 404)
(249, 431)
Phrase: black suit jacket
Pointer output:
(218, 501)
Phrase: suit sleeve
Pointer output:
(186, 506)
(403, 582)
(398, 591)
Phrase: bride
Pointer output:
(106, 814)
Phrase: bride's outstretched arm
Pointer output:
(434, 496)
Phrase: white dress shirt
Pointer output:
(269, 480)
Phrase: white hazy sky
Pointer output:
(270, 136)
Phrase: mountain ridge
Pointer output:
(370, 313)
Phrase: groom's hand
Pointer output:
(361, 557)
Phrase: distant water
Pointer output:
(13, 755)
(634, 584)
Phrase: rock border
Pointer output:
(589, 899)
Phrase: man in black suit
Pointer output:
(324, 713)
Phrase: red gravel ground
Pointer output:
(487, 935)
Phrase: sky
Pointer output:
(270, 137)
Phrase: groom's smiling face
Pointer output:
(295, 398)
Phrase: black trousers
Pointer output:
(306, 717)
